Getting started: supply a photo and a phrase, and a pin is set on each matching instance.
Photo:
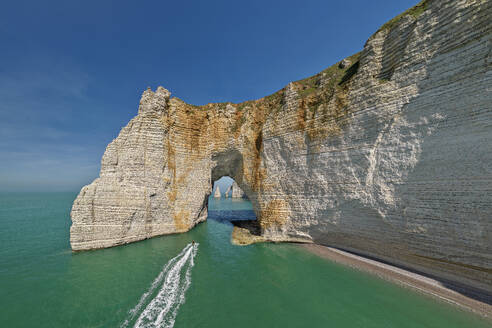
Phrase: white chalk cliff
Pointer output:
(388, 154)
(217, 193)
(234, 191)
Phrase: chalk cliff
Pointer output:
(217, 193)
(234, 191)
(388, 153)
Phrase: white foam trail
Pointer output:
(161, 311)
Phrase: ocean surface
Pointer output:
(167, 281)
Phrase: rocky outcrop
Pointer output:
(234, 191)
(389, 156)
(217, 193)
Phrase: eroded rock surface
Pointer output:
(217, 193)
(390, 156)
(234, 191)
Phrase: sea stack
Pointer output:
(236, 191)
(217, 192)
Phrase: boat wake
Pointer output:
(173, 280)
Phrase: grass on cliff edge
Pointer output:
(334, 76)
(337, 76)
(415, 12)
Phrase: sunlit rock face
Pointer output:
(388, 156)
(217, 193)
(234, 191)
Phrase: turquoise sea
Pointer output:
(169, 281)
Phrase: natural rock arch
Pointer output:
(157, 175)
(391, 165)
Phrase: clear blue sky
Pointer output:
(72, 72)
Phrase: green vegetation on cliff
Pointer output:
(415, 12)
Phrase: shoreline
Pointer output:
(418, 282)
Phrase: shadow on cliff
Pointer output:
(429, 240)
(473, 218)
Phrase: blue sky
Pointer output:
(72, 72)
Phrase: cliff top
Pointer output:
(320, 86)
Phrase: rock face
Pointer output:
(234, 191)
(389, 157)
(217, 193)
(344, 63)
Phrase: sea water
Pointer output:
(169, 282)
